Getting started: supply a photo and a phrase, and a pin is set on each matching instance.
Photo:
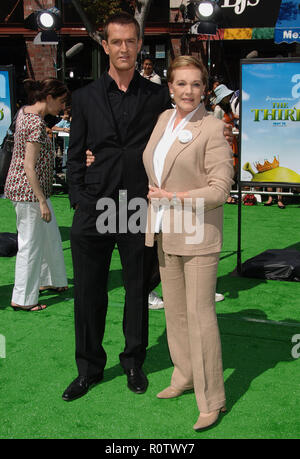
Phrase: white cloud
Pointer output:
(297, 105)
(265, 71)
(245, 95)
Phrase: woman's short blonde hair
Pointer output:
(187, 61)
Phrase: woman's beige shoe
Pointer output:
(206, 421)
(169, 392)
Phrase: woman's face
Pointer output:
(187, 87)
(55, 104)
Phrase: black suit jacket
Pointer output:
(118, 161)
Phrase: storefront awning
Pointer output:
(258, 33)
(287, 28)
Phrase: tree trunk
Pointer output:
(141, 12)
(91, 30)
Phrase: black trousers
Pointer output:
(91, 254)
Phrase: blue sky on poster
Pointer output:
(266, 84)
(5, 106)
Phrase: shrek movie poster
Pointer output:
(5, 102)
(270, 124)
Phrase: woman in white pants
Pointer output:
(39, 262)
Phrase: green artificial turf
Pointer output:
(257, 322)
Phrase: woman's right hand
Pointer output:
(90, 158)
(45, 211)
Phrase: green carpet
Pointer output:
(257, 322)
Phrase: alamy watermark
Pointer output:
(131, 216)
(2, 347)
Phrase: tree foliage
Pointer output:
(99, 10)
(94, 12)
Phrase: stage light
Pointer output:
(204, 10)
(44, 20)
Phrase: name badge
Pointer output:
(185, 136)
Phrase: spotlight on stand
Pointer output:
(45, 21)
(48, 19)
(208, 15)
(204, 10)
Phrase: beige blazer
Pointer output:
(204, 168)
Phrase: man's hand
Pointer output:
(228, 133)
(90, 158)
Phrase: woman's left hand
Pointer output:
(45, 211)
(155, 192)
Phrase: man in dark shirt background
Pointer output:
(113, 117)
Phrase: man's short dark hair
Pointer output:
(121, 18)
(149, 59)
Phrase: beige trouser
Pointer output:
(188, 285)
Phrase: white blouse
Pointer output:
(161, 151)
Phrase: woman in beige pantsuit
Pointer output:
(190, 170)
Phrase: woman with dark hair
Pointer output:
(39, 262)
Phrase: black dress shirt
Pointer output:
(121, 102)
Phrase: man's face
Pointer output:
(147, 67)
(122, 46)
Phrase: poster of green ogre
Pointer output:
(270, 122)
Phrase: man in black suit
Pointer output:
(113, 117)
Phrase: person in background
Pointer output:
(64, 124)
(148, 71)
(235, 107)
(39, 261)
(187, 160)
(222, 99)
(210, 97)
(269, 202)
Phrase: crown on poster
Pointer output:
(267, 166)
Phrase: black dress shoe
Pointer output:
(136, 380)
(80, 387)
